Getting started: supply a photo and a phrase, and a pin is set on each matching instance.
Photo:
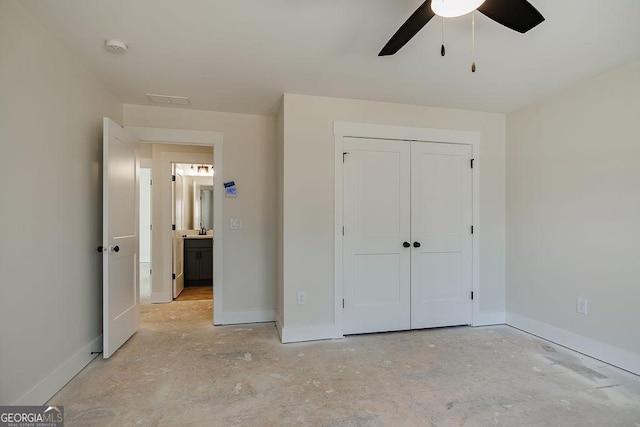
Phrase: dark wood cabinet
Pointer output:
(198, 262)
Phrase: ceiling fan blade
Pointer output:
(519, 15)
(410, 28)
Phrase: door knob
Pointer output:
(100, 248)
(416, 244)
(117, 248)
(406, 244)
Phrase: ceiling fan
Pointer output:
(518, 15)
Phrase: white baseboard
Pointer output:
(306, 333)
(252, 316)
(52, 383)
(609, 354)
(159, 298)
(485, 318)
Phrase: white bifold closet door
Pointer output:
(407, 241)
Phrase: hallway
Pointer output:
(179, 370)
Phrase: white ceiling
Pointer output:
(241, 55)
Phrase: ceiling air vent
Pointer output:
(168, 100)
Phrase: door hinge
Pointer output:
(173, 226)
(150, 182)
(173, 276)
(342, 302)
(151, 271)
(344, 154)
(150, 226)
(472, 295)
(173, 177)
(472, 229)
(343, 230)
(472, 163)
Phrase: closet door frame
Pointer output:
(344, 130)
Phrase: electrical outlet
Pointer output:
(236, 223)
(302, 298)
(581, 306)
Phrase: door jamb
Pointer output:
(207, 138)
(343, 130)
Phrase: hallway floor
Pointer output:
(180, 370)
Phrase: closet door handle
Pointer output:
(416, 244)
(406, 244)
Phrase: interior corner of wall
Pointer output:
(612, 355)
(279, 326)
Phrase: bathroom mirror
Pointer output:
(206, 206)
(202, 213)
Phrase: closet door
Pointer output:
(441, 219)
(376, 265)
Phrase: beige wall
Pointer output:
(308, 196)
(573, 208)
(249, 160)
(280, 214)
(51, 111)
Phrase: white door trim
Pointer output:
(401, 133)
(195, 137)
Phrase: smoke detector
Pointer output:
(115, 46)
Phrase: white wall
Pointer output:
(51, 111)
(249, 160)
(573, 216)
(308, 197)
(145, 215)
(280, 214)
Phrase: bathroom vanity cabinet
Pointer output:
(198, 261)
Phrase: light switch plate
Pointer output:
(236, 223)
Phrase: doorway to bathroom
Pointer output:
(192, 225)
(191, 216)
(162, 148)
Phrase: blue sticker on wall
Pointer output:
(230, 189)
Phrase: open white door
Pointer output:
(121, 286)
(177, 239)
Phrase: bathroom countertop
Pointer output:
(197, 236)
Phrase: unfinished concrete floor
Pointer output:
(180, 370)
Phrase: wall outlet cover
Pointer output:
(302, 298)
(581, 306)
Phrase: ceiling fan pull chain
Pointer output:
(473, 41)
(442, 51)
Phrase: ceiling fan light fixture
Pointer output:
(454, 8)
